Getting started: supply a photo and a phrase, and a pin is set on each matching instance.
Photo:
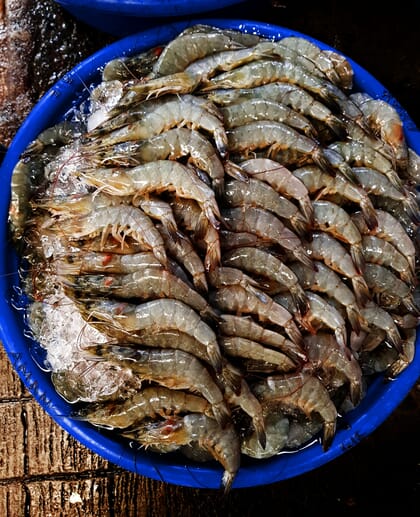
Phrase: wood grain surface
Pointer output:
(44, 471)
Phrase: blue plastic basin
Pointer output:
(382, 397)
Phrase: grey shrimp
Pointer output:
(282, 180)
(174, 369)
(157, 176)
(390, 229)
(246, 327)
(260, 194)
(222, 276)
(299, 392)
(149, 402)
(163, 314)
(377, 319)
(325, 280)
(268, 226)
(322, 184)
(335, 368)
(332, 218)
(119, 221)
(325, 247)
(275, 137)
(236, 299)
(263, 263)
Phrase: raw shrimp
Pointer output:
(274, 137)
(334, 366)
(235, 298)
(131, 67)
(391, 290)
(246, 327)
(390, 229)
(120, 221)
(299, 392)
(157, 176)
(174, 369)
(176, 110)
(379, 251)
(266, 225)
(325, 280)
(222, 442)
(182, 249)
(260, 194)
(146, 284)
(291, 95)
(379, 320)
(260, 109)
(343, 68)
(358, 154)
(147, 403)
(386, 122)
(377, 184)
(333, 219)
(60, 134)
(263, 263)
(240, 347)
(160, 210)
(282, 180)
(188, 214)
(222, 276)
(277, 432)
(325, 247)
(163, 314)
(322, 184)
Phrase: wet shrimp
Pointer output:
(378, 320)
(221, 442)
(157, 176)
(260, 194)
(274, 137)
(150, 402)
(240, 347)
(282, 180)
(343, 68)
(147, 284)
(299, 392)
(222, 276)
(322, 184)
(246, 327)
(262, 263)
(325, 280)
(268, 226)
(238, 300)
(163, 314)
(379, 251)
(120, 221)
(277, 432)
(174, 369)
(325, 247)
(333, 219)
(335, 367)
(390, 229)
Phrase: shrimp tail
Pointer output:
(301, 256)
(328, 435)
(301, 225)
(361, 290)
(369, 213)
(235, 171)
(232, 378)
(358, 257)
(221, 414)
(299, 298)
(354, 319)
(294, 333)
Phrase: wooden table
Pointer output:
(45, 472)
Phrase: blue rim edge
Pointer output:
(382, 397)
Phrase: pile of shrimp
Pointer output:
(240, 226)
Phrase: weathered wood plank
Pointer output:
(12, 500)
(50, 449)
(69, 498)
(12, 452)
(10, 385)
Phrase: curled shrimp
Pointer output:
(150, 402)
(157, 176)
(322, 184)
(378, 320)
(263, 263)
(299, 393)
(163, 314)
(325, 247)
(174, 369)
(268, 226)
(238, 300)
(277, 433)
(282, 180)
(260, 194)
(335, 367)
(332, 218)
(221, 442)
(222, 276)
